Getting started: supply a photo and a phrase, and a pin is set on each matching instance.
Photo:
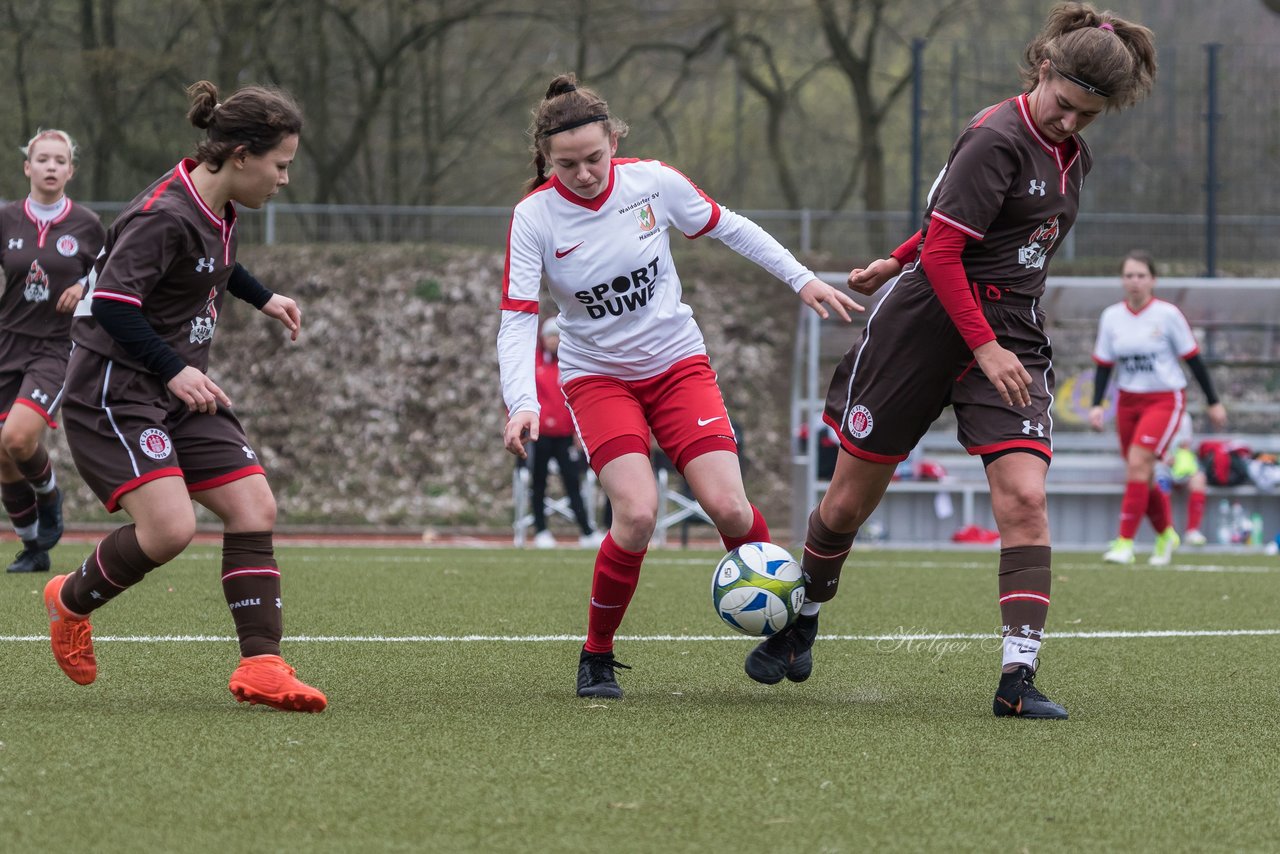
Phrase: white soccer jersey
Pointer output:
(607, 263)
(1147, 346)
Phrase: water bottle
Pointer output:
(1239, 524)
(1255, 529)
(1224, 522)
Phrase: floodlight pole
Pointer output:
(1211, 164)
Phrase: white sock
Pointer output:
(1019, 649)
(808, 609)
(48, 487)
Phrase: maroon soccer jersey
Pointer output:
(172, 256)
(42, 260)
(1014, 192)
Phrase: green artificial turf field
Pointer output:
(453, 724)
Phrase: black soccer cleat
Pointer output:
(789, 653)
(32, 558)
(1018, 697)
(49, 514)
(596, 677)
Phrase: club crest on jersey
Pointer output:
(67, 245)
(860, 422)
(644, 216)
(36, 288)
(202, 327)
(155, 443)
(1036, 251)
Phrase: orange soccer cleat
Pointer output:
(70, 635)
(267, 679)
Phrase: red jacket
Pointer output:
(555, 419)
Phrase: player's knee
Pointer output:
(639, 520)
(845, 511)
(165, 538)
(18, 444)
(729, 512)
(1024, 507)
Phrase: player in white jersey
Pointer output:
(1143, 340)
(632, 358)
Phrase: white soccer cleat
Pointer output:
(1121, 551)
(1166, 544)
(1194, 538)
(544, 540)
(591, 541)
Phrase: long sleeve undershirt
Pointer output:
(945, 271)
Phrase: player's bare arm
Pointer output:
(286, 311)
(817, 292)
(197, 391)
(869, 279)
(522, 428)
(1005, 372)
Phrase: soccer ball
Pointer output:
(758, 589)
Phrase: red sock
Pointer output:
(1195, 510)
(758, 533)
(1133, 507)
(616, 575)
(1158, 510)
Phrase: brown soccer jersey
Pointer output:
(1013, 192)
(172, 256)
(41, 260)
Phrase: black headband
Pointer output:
(598, 117)
(1088, 87)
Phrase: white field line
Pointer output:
(894, 637)
(710, 561)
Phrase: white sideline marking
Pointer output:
(1099, 635)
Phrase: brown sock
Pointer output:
(251, 584)
(19, 501)
(825, 551)
(1024, 602)
(115, 565)
(38, 470)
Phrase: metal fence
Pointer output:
(1171, 237)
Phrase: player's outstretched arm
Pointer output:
(816, 292)
(287, 312)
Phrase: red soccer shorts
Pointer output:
(681, 406)
(1149, 419)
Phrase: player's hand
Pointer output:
(1217, 416)
(816, 292)
(1005, 372)
(69, 299)
(287, 312)
(869, 279)
(523, 427)
(1096, 416)
(197, 391)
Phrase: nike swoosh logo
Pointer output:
(1017, 710)
(595, 604)
(560, 253)
(703, 422)
(1148, 438)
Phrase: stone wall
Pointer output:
(388, 410)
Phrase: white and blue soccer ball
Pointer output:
(758, 589)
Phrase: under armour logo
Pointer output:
(1036, 188)
(278, 605)
(1028, 428)
(95, 594)
(37, 394)
(248, 452)
(205, 265)
(15, 242)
